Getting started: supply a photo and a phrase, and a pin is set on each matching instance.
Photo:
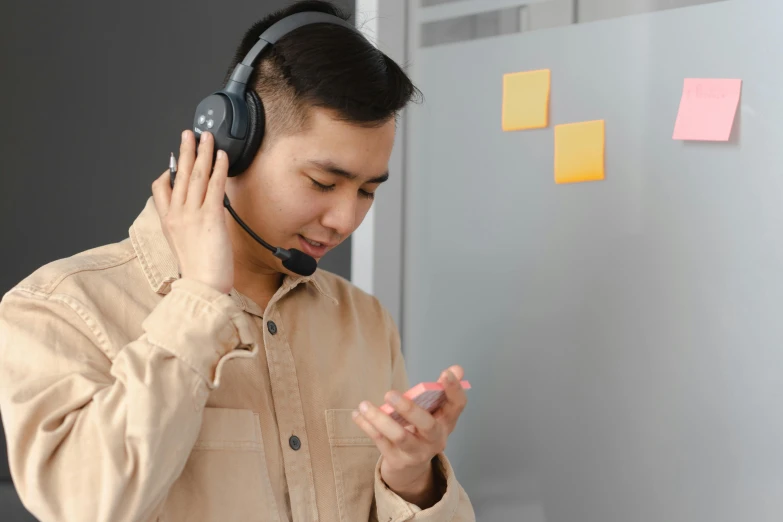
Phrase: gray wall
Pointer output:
(95, 95)
(623, 338)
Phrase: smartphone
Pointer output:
(428, 395)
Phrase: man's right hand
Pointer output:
(192, 216)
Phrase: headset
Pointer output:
(235, 114)
(235, 117)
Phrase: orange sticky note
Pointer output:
(526, 100)
(707, 109)
(579, 152)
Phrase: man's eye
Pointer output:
(321, 186)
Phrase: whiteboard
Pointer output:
(624, 338)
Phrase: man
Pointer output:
(185, 374)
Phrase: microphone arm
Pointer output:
(293, 259)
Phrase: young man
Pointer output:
(184, 375)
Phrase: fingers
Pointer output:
(419, 418)
(456, 398)
(217, 183)
(381, 442)
(187, 155)
(202, 169)
(161, 193)
(457, 371)
(380, 427)
(198, 182)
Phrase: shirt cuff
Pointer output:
(393, 508)
(200, 326)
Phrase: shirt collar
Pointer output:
(160, 265)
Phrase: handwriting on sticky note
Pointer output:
(526, 100)
(579, 152)
(707, 109)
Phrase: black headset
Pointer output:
(235, 114)
(235, 117)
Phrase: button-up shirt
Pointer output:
(129, 394)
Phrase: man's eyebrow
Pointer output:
(331, 168)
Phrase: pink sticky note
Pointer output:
(707, 109)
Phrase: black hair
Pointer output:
(327, 66)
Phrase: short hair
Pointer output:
(327, 66)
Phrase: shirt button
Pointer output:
(295, 443)
(272, 327)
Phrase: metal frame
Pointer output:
(377, 248)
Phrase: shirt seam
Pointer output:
(77, 307)
(154, 276)
(51, 285)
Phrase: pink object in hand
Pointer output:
(428, 395)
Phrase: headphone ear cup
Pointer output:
(255, 133)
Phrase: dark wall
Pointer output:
(95, 95)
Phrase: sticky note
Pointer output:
(526, 100)
(707, 109)
(579, 152)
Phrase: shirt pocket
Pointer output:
(354, 458)
(225, 477)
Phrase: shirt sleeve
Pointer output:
(99, 434)
(454, 506)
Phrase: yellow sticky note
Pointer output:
(526, 100)
(579, 152)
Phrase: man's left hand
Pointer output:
(408, 451)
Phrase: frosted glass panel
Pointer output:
(623, 337)
(528, 16)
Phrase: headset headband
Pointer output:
(237, 83)
(279, 29)
(227, 113)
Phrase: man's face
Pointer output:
(310, 190)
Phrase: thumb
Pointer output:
(456, 370)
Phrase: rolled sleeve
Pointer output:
(454, 506)
(218, 329)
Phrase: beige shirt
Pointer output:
(128, 394)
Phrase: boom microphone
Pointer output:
(294, 260)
